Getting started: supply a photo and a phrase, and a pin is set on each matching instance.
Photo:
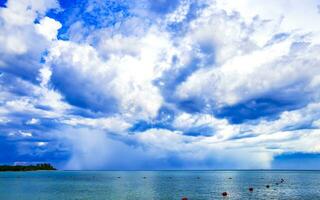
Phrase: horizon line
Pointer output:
(189, 170)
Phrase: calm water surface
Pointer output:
(166, 185)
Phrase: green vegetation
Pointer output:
(44, 166)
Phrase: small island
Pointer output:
(16, 168)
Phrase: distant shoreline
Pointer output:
(25, 168)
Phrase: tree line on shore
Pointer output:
(42, 166)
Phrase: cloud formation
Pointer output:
(160, 84)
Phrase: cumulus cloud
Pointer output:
(245, 68)
(159, 84)
(20, 53)
(32, 121)
(48, 28)
(122, 82)
(251, 76)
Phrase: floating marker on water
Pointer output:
(184, 198)
(224, 194)
(267, 186)
(251, 189)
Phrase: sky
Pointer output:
(160, 84)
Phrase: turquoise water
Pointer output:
(166, 185)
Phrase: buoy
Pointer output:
(224, 194)
(184, 198)
(251, 189)
(267, 186)
(230, 178)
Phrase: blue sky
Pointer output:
(160, 84)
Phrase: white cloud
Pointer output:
(24, 12)
(114, 77)
(32, 104)
(42, 144)
(244, 67)
(127, 75)
(111, 124)
(180, 13)
(219, 128)
(295, 14)
(22, 44)
(4, 120)
(21, 133)
(48, 28)
(33, 121)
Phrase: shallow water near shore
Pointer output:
(166, 185)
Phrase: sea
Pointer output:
(159, 185)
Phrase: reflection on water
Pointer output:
(166, 185)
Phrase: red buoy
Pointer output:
(184, 198)
(224, 194)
